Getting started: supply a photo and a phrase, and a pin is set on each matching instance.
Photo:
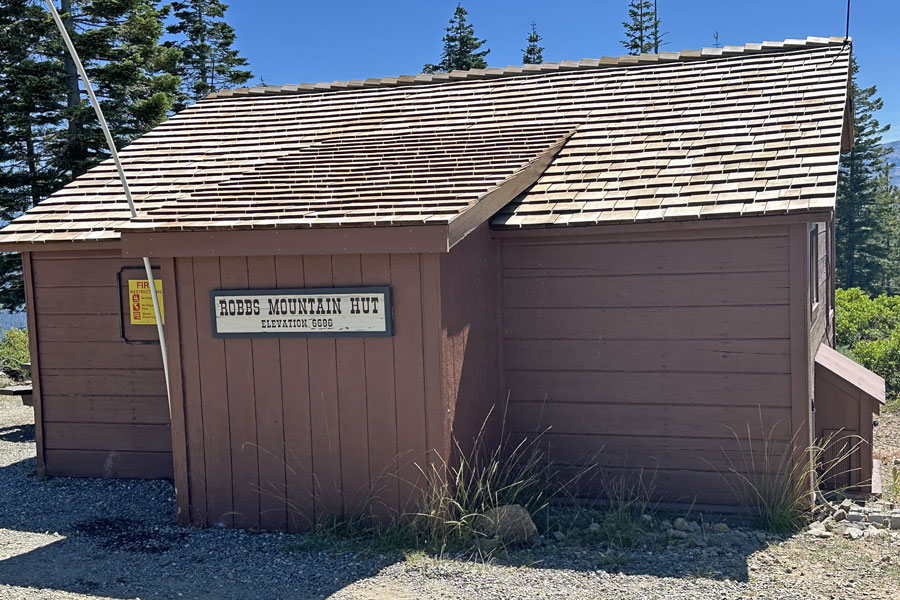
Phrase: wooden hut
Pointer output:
(636, 252)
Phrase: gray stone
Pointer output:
(856, 516)
(559, 535)
(816, 529)
(879, 518)
(895, 521)
(646, 519)
(509, 524)
(719, 527)
(874, 532)
(846, 505)
(839, 515)
(853, 534)
(677, 534)
(682, 524)
(594, 528)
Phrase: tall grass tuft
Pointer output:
(456, 495)
(777, 480)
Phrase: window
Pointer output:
(814, 266)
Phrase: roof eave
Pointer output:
(397, 239)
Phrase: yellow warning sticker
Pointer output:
(141, 303)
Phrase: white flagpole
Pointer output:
(115, 156)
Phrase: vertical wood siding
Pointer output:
(282, 432)
(644, 357)
(471, 340)
(103, 401)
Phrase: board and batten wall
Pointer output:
(280, 432)
(644, 354)
(100, 403)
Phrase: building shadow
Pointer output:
(118, 538)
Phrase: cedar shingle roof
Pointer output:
(747, 130)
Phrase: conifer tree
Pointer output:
(642, 28)
(119, 44)
(48, 131)
(461, 47)
(209, 61)
(533, 54)
(867, 205)
(32, 95)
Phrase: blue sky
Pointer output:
(296, 41)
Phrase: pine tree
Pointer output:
(533, 54)
(32, 94)
(209, 62)
(119, 44)
(461, 47)
(642, 28)
(866, 215)
(48, 131)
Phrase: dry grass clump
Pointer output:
(777, 480)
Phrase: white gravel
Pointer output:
(91, 538)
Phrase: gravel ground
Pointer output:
(91, 538)
(887, 438)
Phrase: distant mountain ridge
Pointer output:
(894, 157)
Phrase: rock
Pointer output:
(677, 534)
(684, 525)
(487, 545)
(594, 528)
(874, 532)
(816, 529)
(509, 524)
(879, 518)
(665, 524)
(761, 536)
(559, 535)
(853, 534)
(895, 521)
(646, 519)
(839, 515)
(856, 516)
(846, 505)
(719, 527)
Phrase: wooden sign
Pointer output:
(140, 302)
(306, 312)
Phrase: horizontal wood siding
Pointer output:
(103, 401)
(284, 432)
(645, 358)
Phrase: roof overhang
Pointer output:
(852, 373)
(279, 242)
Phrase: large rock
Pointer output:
(509, 524)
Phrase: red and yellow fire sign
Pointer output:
(141, 303)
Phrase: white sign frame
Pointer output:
(241, 324)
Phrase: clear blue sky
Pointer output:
(297, 41)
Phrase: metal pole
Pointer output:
(115, 156)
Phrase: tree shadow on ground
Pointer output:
(17, 433)
(118, 538)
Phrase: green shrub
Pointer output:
(14, 352)
(868, 330)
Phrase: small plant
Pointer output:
(777, 479)
(892, 489)
(455, 496)
(14, 353)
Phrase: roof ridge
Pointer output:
(549, 67)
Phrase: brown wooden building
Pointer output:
(636, 252)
